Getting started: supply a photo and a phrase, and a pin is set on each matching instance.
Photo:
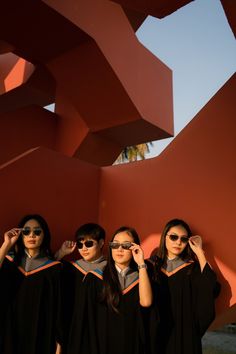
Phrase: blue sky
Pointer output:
(197, 44)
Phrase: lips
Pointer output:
(85, 254)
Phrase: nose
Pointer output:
(32, 234)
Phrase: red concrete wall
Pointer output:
(194, 179)
(26, 128)
(110, 92)
(64, 190)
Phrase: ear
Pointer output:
(101, 243)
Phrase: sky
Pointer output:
(198, 45)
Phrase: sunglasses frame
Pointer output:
(26, 231)
(183, 239)
(80, 244)
(116, 245)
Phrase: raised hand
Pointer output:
(67, 248)
(137, 254)
(11, 236)
(195, 242)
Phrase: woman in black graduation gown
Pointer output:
(32, 277)
(185, 290)
(115, 299)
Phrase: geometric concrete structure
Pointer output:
(194, 179)
(110, 92)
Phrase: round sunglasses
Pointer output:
(87, 243)
(27, 231)
(116, 245)
(183, 239)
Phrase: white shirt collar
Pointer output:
(122, 272)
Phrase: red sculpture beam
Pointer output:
(111, 96)
(156, 8)
(109, 92)
(193, 179)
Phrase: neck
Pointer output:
(122, 266)
(94, 260)
(32, 252)
(170, 257)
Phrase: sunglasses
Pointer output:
(183, 239)
(27, 231)
(116, 245)
(88, 244)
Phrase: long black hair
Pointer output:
(45, 246)
(186, 255)
(112, 292)
(187, 252)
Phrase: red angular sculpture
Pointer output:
(109, 92)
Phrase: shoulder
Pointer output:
(93, 281)
(51, 266)
(8, 263)
(94, 274)
(153, 262)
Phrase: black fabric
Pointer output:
(105, 331)
(32, 320)
(183, 309)
(72, 279)
(73, 306)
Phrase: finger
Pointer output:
(135, 250)
(134, 245)
(196, 240)
(72, 244)
(13, 232)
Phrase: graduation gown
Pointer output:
(183, 308)
(73, 301)
(108, 332)
(32, 310)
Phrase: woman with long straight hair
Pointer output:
(185, 291)
(32, 277)
(116, 298)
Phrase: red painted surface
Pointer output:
(26, 128)
(109, 92)
(193, 179)
(64, 190)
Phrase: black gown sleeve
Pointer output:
(67, 300)
(90, 343)
(205, 289)
(9, 281)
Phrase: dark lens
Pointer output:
(37, 232)
(26, 232)
(126, 245)
(114, 245)
(184, 239)
(88, 243)
(173, 237)
(79, 245)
